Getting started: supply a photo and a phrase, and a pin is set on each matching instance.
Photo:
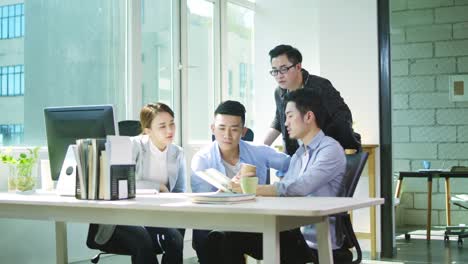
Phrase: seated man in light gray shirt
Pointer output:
(316, 169)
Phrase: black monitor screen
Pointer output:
(64, 125)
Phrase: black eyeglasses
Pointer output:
(281, 70)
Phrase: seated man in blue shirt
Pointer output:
(226, 154)
(316, 169)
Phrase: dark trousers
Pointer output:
(131, 240)
(230, 247)
(142, 244)
(199, 239)
(170, 242)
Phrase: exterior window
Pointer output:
(12, 21)
(12, 80)
(239, 57)
(242, 79)
(11, 134)
(230, 83)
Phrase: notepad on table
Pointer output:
(220, 197)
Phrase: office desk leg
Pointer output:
(61, 242)
(271, 241)
(447, 200)
(324, 242)
(429, 208)
(398, 188)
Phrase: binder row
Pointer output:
(98, 177)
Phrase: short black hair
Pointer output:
(307, 100)
(293, 54)
(230, 107)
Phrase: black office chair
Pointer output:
(90, 242)
(249, 135)
(354, 165)
(129, 128)
(126, 128)
(459, 200)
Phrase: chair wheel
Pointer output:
(407, 236)
(96, 258)
(446, 238)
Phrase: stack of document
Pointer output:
(220, 197)
(106, 170)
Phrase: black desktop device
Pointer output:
(64, 125)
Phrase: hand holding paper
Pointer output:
(216, 178)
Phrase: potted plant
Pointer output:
(21, 177)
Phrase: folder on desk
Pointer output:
(105, 169)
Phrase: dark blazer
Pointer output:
(337, 120)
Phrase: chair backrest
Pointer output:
(354, 165)
(249, 136)
(129, 128)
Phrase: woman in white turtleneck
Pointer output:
(160, 165)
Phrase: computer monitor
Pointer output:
(64, 125)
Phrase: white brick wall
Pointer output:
(413, 117)
(433, 66)
(430, 100)
(442, 82)
(396, 5)
(452, 117)
(452, 48)
(415, 4)
(429, 43)
(460, 30)
(413, 84)
(434, 134)
(429, 33)
(453, 151)
(415, 150)
(417, 17)
(451, 14)
(401, 165)
(400, 101)
(400, 67)
(462, 134)
(401, 134)
(462, 64)
(410, 51)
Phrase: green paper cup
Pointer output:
(249, 185)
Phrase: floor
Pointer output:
(416, 250)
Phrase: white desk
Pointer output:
(267, 215)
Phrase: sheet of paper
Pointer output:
(123, 189)
(119, 150)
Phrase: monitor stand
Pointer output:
(67, 180)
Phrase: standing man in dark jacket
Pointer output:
(287, 70)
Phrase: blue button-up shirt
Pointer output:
(316, 169)
(263, 157)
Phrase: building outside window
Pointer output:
(242, 79)
(94, 71)
(11, 21)
(230, 85)
(240, 30)
(12, 80)
(11, 134)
